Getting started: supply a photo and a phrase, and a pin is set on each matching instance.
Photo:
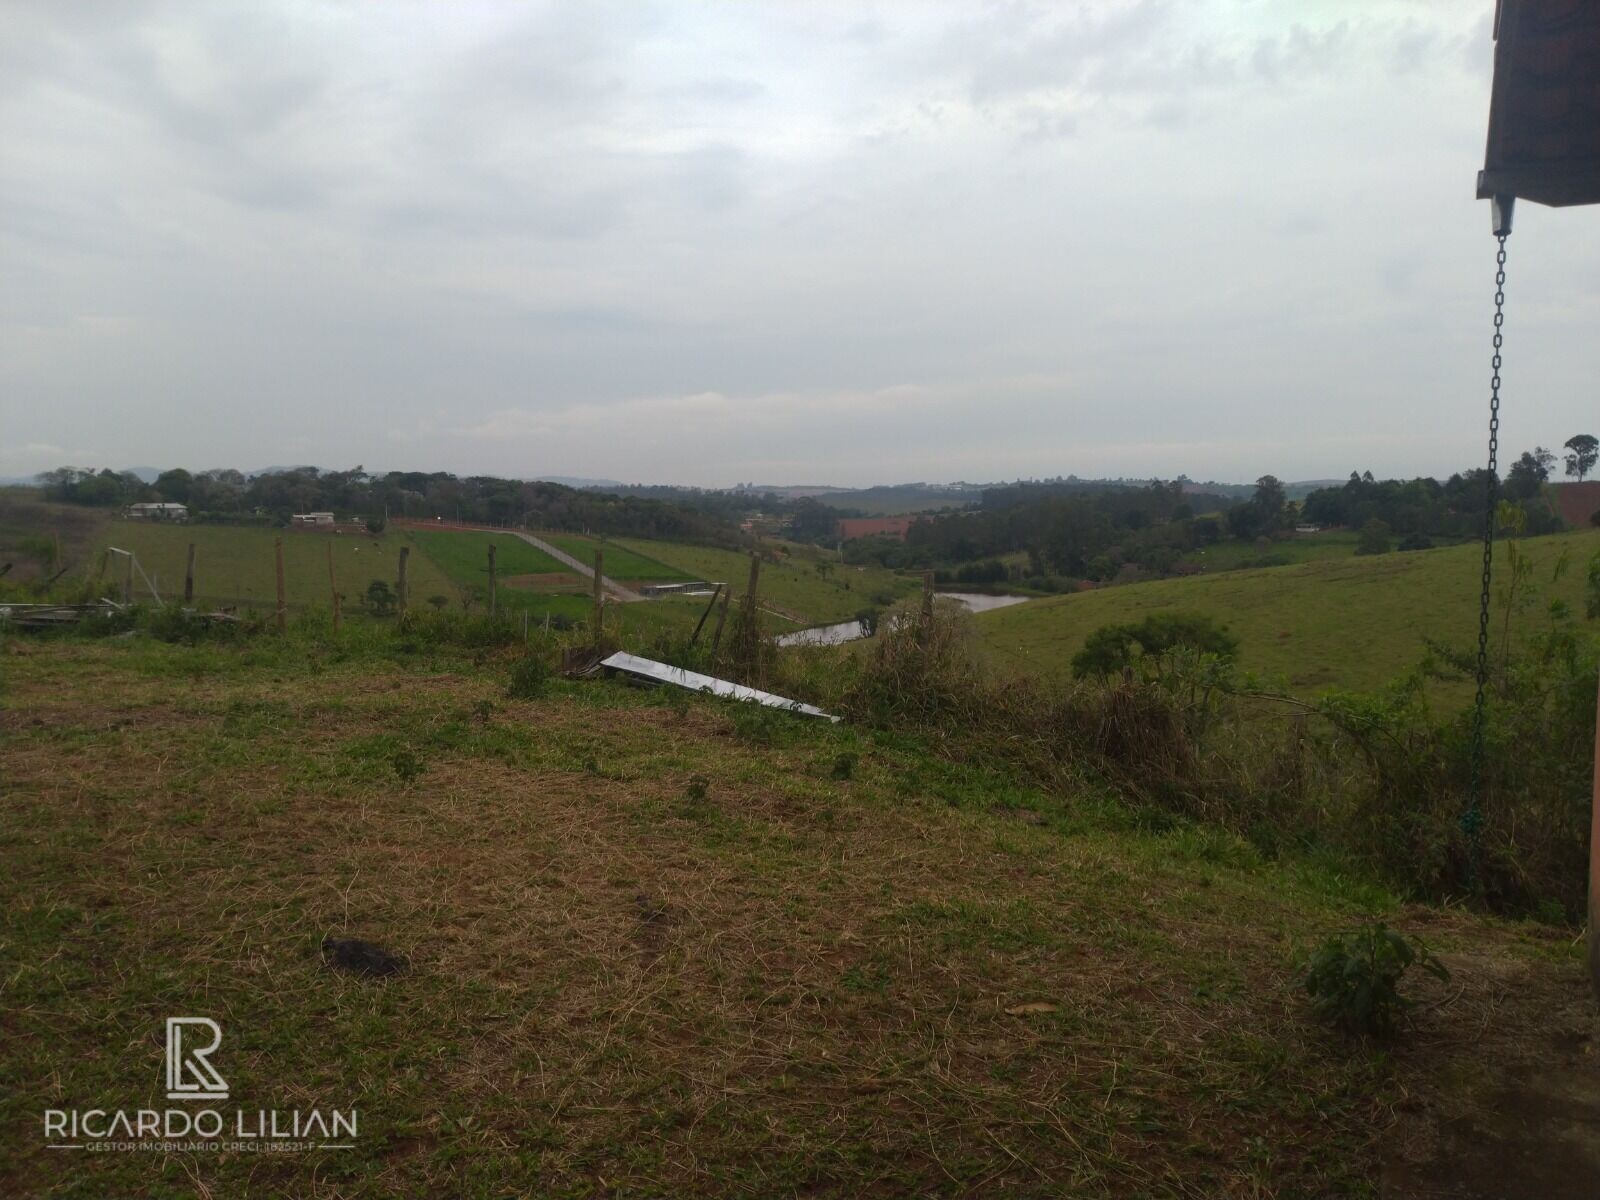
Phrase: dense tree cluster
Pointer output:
(1427, 508)
(1066, 530)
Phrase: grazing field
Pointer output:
(793, 586)
(661, 946)
(1353, 623)
(236, 565)
(621, 563)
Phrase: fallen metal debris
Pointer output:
(45, 616)
(655, 672)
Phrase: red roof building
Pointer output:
(1577, 502)
(851, 528)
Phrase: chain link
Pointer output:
(1472, 818)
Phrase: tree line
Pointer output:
(1102, 532)
(230, 496)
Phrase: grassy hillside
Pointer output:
(794, 586)
(1227, 556)
(662, 946)
(901, 500)
(1350, 622)
(236, 566)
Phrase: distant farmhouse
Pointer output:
(157, 511)
(315, 518)
(851, 528)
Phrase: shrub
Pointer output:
(379, 599)
(530, 677)
(1353, 979)
(1375, 537)
(1111, 648)
(923, 665)
(1417, 541)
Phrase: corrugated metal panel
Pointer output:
(645, 668)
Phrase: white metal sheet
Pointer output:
(647, 668)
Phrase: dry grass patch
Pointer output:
(658, 949)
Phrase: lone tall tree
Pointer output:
(1585, 449)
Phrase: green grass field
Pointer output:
(1228, 556)
(1346, 622)
(464, 555)
(236, 566)
(794, 586)
(659, 945)
(622, 563)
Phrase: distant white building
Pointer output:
(157, 511)
(318, 518)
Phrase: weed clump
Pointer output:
(1353, 979)
(530, 677)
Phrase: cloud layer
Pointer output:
(787, 243)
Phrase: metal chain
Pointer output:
(1472, 818)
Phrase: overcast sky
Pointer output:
(704, 243)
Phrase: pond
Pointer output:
(851, 631)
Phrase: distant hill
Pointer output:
(578, 481)
(899, 499)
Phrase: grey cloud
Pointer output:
(903, 241)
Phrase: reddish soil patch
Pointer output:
(546, 581)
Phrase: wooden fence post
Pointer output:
(283, 600)
(188, 577)
(492, 594)
(704, 615)
(405, 553)
(599, 617)
(755, 574)
(722, 618)
(333, 588)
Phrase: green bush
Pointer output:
(1375, 537)
(1111, 648)
(530, 677)
(1353, 979)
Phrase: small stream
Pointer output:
(851, 631)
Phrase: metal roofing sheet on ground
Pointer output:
(646, 668)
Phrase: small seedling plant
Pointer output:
(1353, 979)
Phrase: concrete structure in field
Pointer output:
(157, 511)
(851, 528)
(1577, 502)
(312, 518)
